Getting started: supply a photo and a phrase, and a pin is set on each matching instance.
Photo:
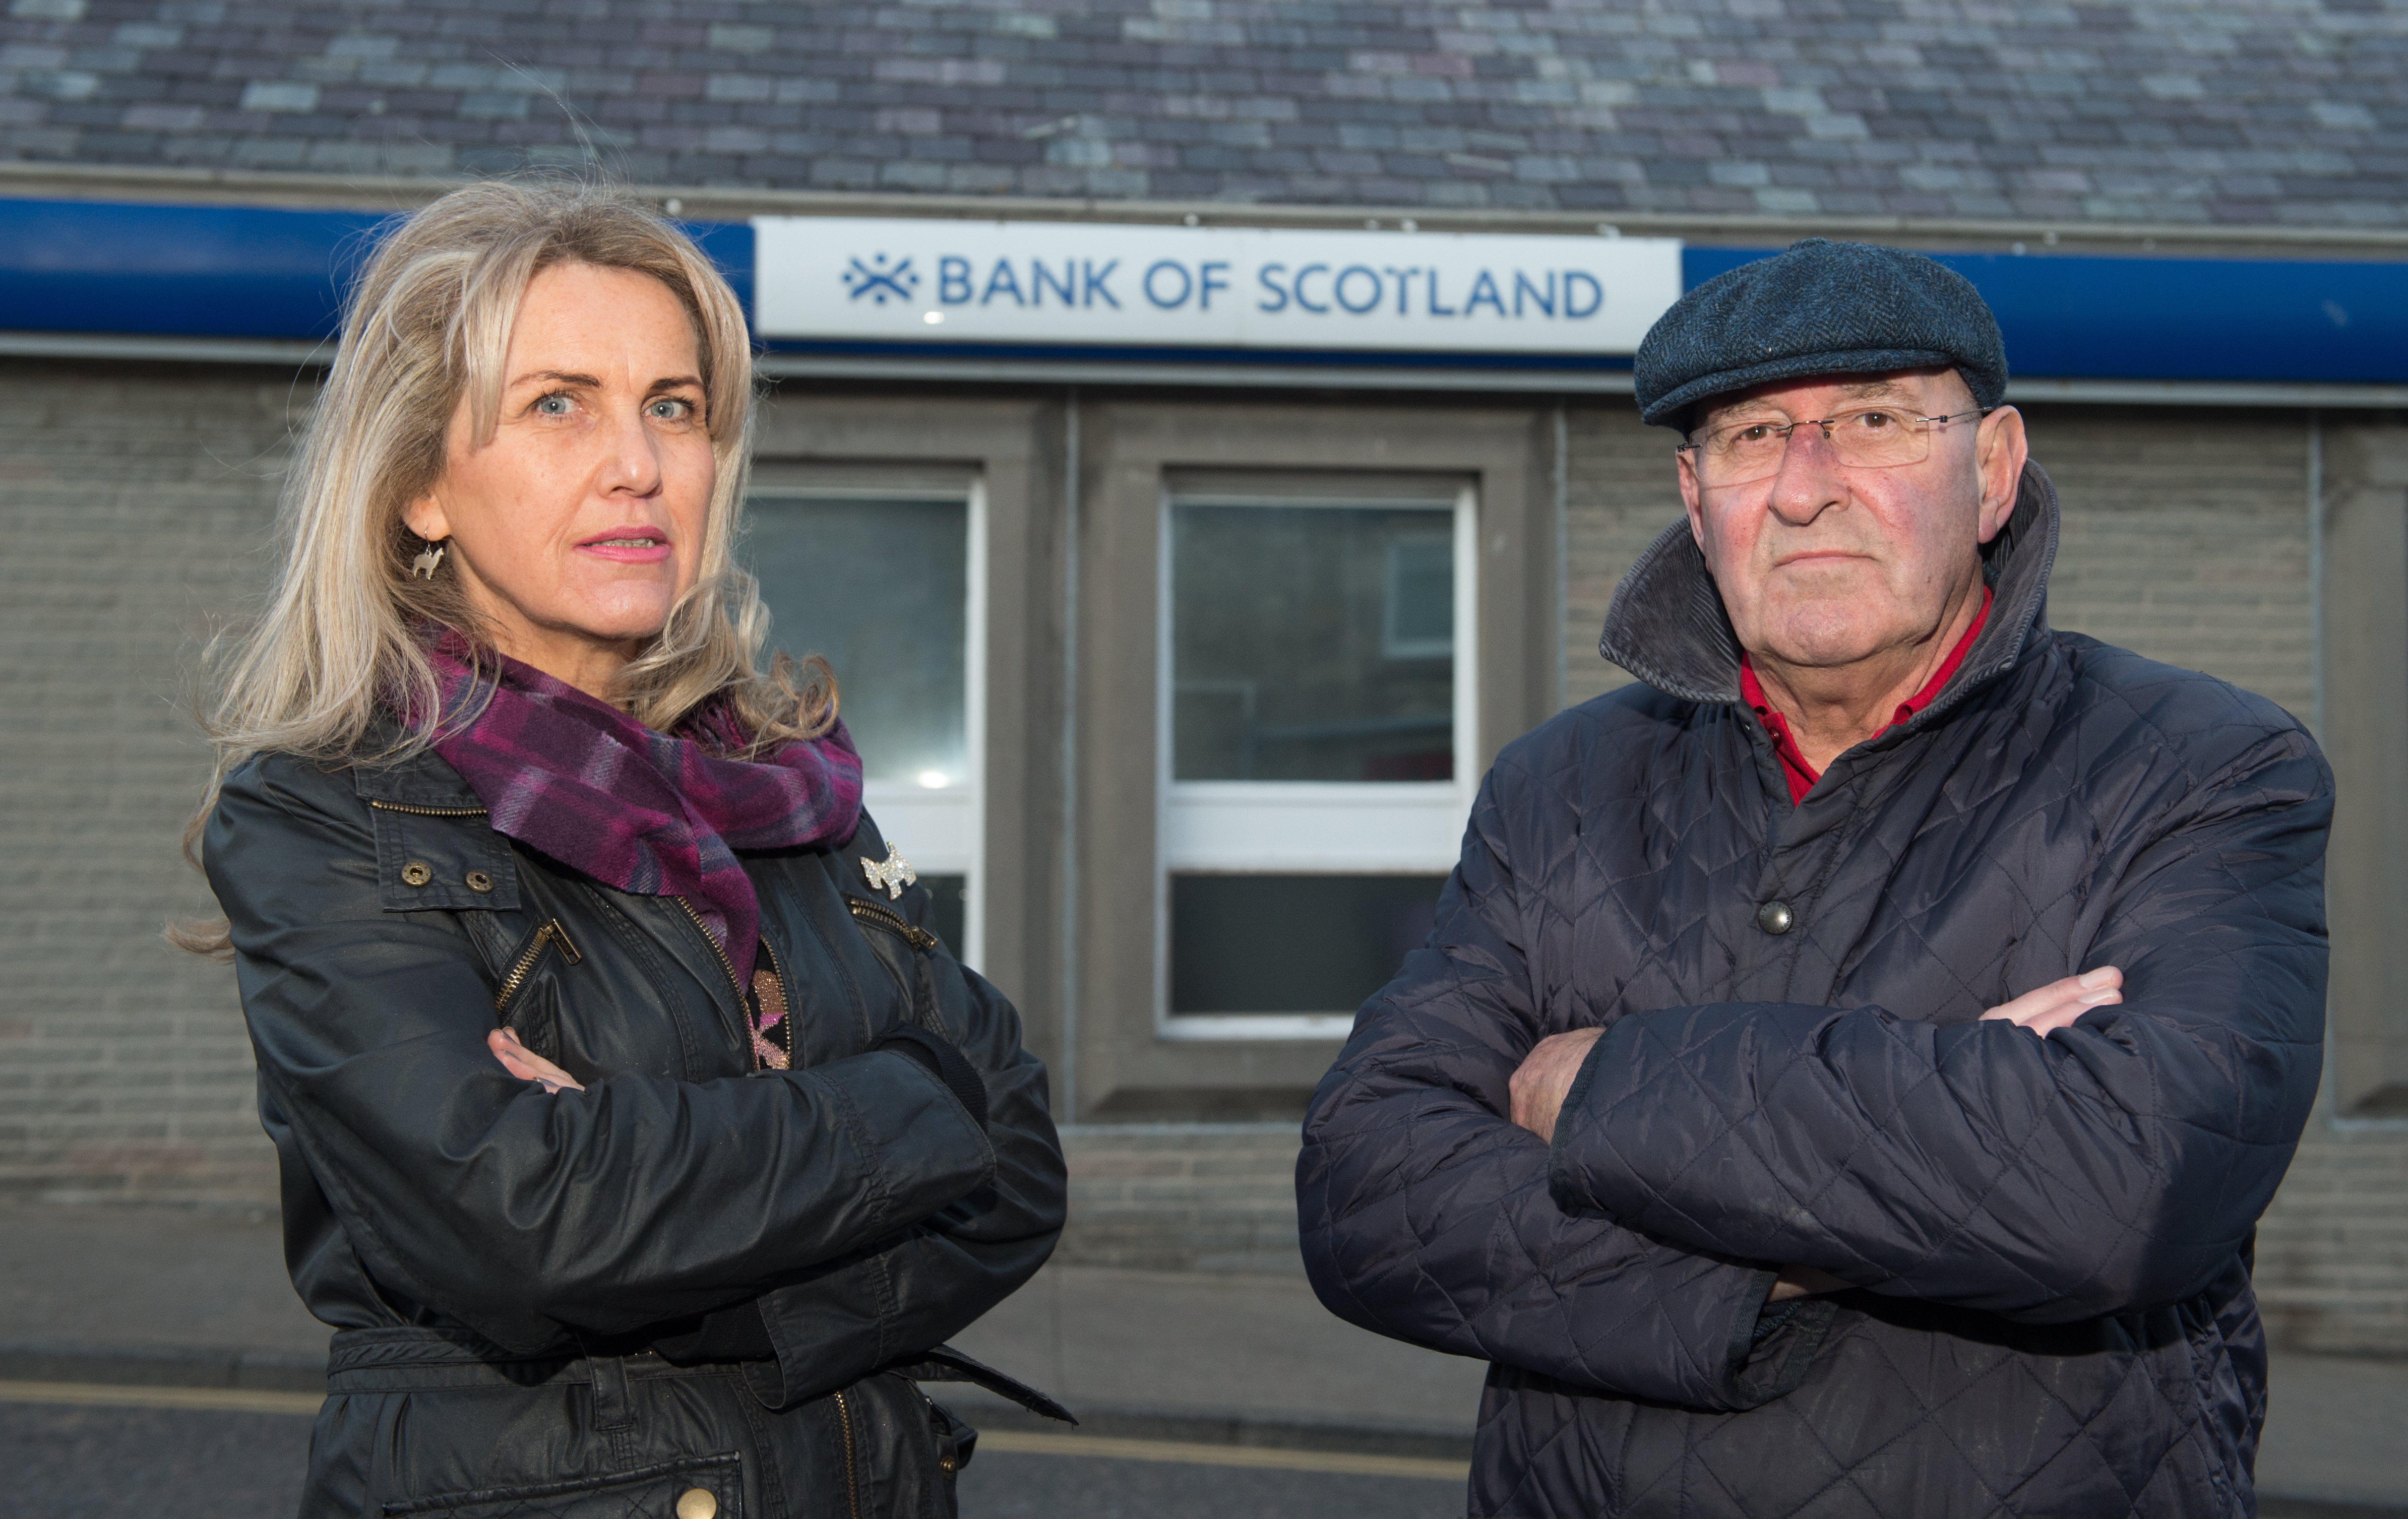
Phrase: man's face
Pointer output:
(1824, 564)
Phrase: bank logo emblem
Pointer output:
(877, 279)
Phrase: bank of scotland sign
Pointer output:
(916, 280)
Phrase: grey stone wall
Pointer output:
(2186, 538)
(1183, 1198)
(136, 502)
(1621, 492)
(2332, 1252)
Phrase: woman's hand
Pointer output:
(525, 1064)
(2058, 1004)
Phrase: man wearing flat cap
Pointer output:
(1849, 1065)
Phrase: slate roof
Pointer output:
(2277, 112)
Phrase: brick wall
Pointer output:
(137, 503)
(1183, 1198)
(2186, 538)
(2332, 1253)
(1621, 492)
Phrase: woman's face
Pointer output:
(578, 524)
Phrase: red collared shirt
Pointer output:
(1793, 768)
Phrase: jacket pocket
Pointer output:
(956, 1442)
(441, 857)
(902, 946)
(549, 940)
(527, 1000)
(898, 1456)
(695, 1487)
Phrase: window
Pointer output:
(883, 575)
(1317, 728)
(1418, 621)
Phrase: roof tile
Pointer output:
(2293, 111)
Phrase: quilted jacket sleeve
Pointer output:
(1424, 1211)
(637, 1201)
(2116, 1165)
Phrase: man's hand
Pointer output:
(2054, 1006)
(1547, 1073)
(1539, 1089)
(1804, 1281)
(2058, 1004)
(1545, 1076)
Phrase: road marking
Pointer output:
(107, 1395)
(1094, 1447)
(1192, 1452)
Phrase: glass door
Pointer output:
(884, 578)
(1317, 717)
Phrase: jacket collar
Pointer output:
(1668, 626)
(422, 779)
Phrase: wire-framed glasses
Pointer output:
(1867, 437)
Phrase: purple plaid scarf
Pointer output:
(657, 814)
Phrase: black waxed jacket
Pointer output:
(692, 1273)
(2048, 1240)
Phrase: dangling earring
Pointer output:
(423, 568)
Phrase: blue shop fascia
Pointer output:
(1039, 298)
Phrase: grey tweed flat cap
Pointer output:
(1820, 308)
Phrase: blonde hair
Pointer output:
(337, 642)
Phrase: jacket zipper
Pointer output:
(550, 933)
(743, 998)
(894, 923)
(724, 962)
(852, 1482)
(785, 994)
(428, 812)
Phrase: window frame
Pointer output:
(2359, 520)
(905, 812)
(1306, 827)
(1125, 448)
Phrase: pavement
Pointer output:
(170, 1297)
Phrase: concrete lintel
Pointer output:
(145, 349)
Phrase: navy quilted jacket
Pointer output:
(2048, 1241)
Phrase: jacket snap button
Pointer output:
(480, 882)
(1775, 917)
(416, 873)
(696, 1503)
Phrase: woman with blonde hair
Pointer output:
(639, 1137)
